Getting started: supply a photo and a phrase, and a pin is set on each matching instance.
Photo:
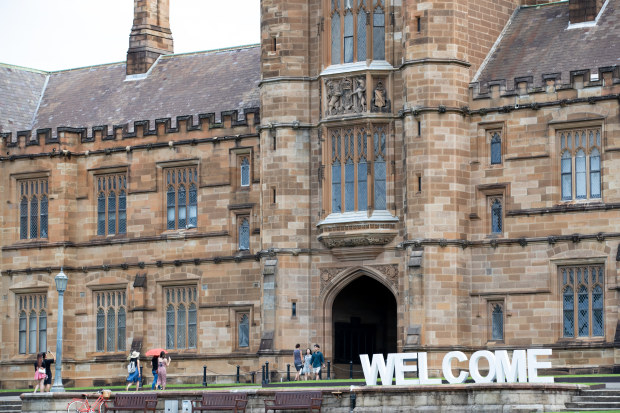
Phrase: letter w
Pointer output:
(378, 366)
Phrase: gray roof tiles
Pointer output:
(537, 42)
(20, 93)
(189, 84)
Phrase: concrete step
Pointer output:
(592, 406)
(10, 406)
(586, 399)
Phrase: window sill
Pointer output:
(356, 67)
(341, 232)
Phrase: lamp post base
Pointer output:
(57, 388)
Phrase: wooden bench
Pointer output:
(128, 402)
(235, 402)
(298, 400)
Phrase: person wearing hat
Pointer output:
(133, 368)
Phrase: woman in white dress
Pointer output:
(307, 369)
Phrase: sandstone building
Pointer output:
(376, 176)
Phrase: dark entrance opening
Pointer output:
(364, 317)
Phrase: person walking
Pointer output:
(47, 362)
(39, 373)
(154, 366)
(297, 360)
(318, 361)
(162, 365)
(307, 364)
(133, 370)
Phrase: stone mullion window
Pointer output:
(349, 30)
(356, 176)
(582, 289)
(33, 208)
(181, 197)
(380, 168)
(243, 330)
(496, 313)
(497, 216)
(111, 204)
(181, 317)
(580, 163)
(244, 232)
(110, 321)
(32, 323)
(496, 148)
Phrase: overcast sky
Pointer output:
(64, 34)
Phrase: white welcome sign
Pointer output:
(523, 367)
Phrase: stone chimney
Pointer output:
(580, 11)
(150, 35)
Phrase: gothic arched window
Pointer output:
(181, 317)
(582, 300)
(111, 204)
(244, 331)
(496, 149)
(580, 164)
(352, 24)
(181, 209)
(110, 321)
(33, 208)
(356, 180)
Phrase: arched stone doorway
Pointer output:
(364, 320)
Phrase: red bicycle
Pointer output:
(83, 405)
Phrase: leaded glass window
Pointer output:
(111, 204)
(353, 25)
(181, 206)
(100, 330)
(32, 332)
(32, 323)
(245, 171)
(496, 149)
(181, 317)
(111, 327)
(42, 331)
(244, 330)
(580, 164)
(244, 233)
(23, 339)
(33, 208)
(496, 216)
(192, 321)
(378, 34)
(380, 168)
(497, 321)
(352, 168)
(182, 320)
(582, 300)
(122, 329)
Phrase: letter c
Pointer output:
(446, 366)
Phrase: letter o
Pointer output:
(473, 366)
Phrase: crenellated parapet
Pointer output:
(582, 85)
(137, 129)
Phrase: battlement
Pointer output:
(137, 129)
(607, 78)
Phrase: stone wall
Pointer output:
(517, 398)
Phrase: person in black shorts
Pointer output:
(47, 362)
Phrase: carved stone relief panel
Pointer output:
(345, 95)
(380, 101)
(328, 275)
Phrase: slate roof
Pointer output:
(537, 42)
(20, 93)
(186, 84)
